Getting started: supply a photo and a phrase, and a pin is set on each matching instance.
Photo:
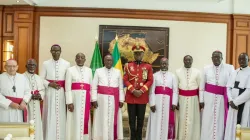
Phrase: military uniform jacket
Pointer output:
(137, 77)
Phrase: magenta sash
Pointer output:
(41, 105)
(219, 90)
(19, 101)
(84, 86)
(188, 92)
(171, 127)
(60, 82)
(115, 92)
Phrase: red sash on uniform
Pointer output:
(41, 104)
(219, 90)
(168, 91)
(115, 92)
(84, 86)
(60, 82)
(194, 92)
(19, 101)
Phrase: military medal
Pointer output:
(132, 68)
(144, 73)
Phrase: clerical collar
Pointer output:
(108, 69)
(56, 60)
(30, 74)
(138, 62)
(164, 71)
(11, 76)
(80, 66)
(218, 66)
(244, 68)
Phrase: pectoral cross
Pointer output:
(82, 85)
(14, 89)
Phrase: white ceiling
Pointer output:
(12, 2)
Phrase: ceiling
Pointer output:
(12, 2)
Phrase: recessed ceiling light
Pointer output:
(17, 1)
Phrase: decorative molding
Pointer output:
(8, 23)
(242, 22)
(1, 21)
(23, 43)
(23, 16)
(241, 36)
(32, 14)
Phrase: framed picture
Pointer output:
(154, 39)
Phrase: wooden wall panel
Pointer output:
(1, 21)
(8, 23)
(1, 48)
(241, 37)
(241, 44)
(24, 16)
(1, 33)
(133, 14)
(23, 43)
(27, 17)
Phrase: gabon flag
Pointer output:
(117, 63)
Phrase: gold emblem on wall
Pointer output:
(125, 44)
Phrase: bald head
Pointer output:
(243, 60)
(245, 55)
(11, 67)
(80, 59)
(11, 62)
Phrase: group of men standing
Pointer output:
(209, 94)
(176, 101)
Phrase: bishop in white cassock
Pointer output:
(107, 97)
(163, 101)
(188, 80)
(14, 94)
(77, 86)
(213, 98)
(54, 108)
(37, 92)
(239, 98)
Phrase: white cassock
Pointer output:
(77, 86)
(22, 92)
(213, 121)
(34, 106)
(159, 127)
(104, 82)
(54, 108)
(189, 112)
(238, 92)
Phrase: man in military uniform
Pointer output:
(138, 78)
